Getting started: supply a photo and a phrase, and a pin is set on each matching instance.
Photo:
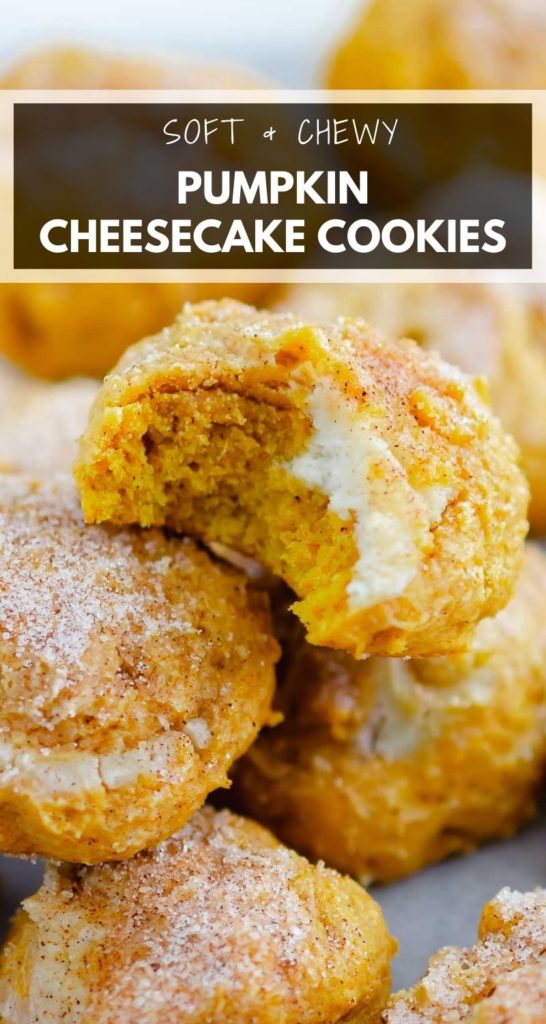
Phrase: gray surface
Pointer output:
(18, 878)
(440, 906)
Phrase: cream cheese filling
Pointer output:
(408, 714)
(50, 771)
(392, 520)
(57, 989)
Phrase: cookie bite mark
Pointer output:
(369, 475)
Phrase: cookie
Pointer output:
(218, 925)
(383, 766)
(495, 332)
(431, 44)
(369, 475)
(501, 978)
(134, 670)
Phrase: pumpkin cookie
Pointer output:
(492, 331)
(434, 44)
(218, 925)
(383, 766)
(68, 330)
(134, 670)
(500, 980)
(371, 476)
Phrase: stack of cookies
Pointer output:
(291, 572)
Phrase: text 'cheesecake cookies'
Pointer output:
(496, 332)
(134, 669)
(370, 475)
(500, 980)
(218, 925)
(383, 766)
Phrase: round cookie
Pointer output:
(436, 44)
(218, 925)
(67, 330)
(500, 980)
(492, 331)
(383, 766)
(40, 423)
(134, 671)
(371, 476)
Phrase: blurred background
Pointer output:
(286, 40)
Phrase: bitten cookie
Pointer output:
(218, 925)
(496, 332)
(370, 475)
(134, 669)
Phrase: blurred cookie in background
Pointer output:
(493, 331)
(40, 423)
(383, 766)
(218, 925)
(79, 67)
(439, 44)
(68, 330)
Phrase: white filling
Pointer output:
(408, 714)
(396, 726)
(53, 772)
(436, 499)
(58, 990)
(391, 520)
(198, 732)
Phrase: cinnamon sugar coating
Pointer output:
(40, 423)
(495, 331)
(500, 980)
(382, 766)
(134, 669)
(218, 925)
(370, 475)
